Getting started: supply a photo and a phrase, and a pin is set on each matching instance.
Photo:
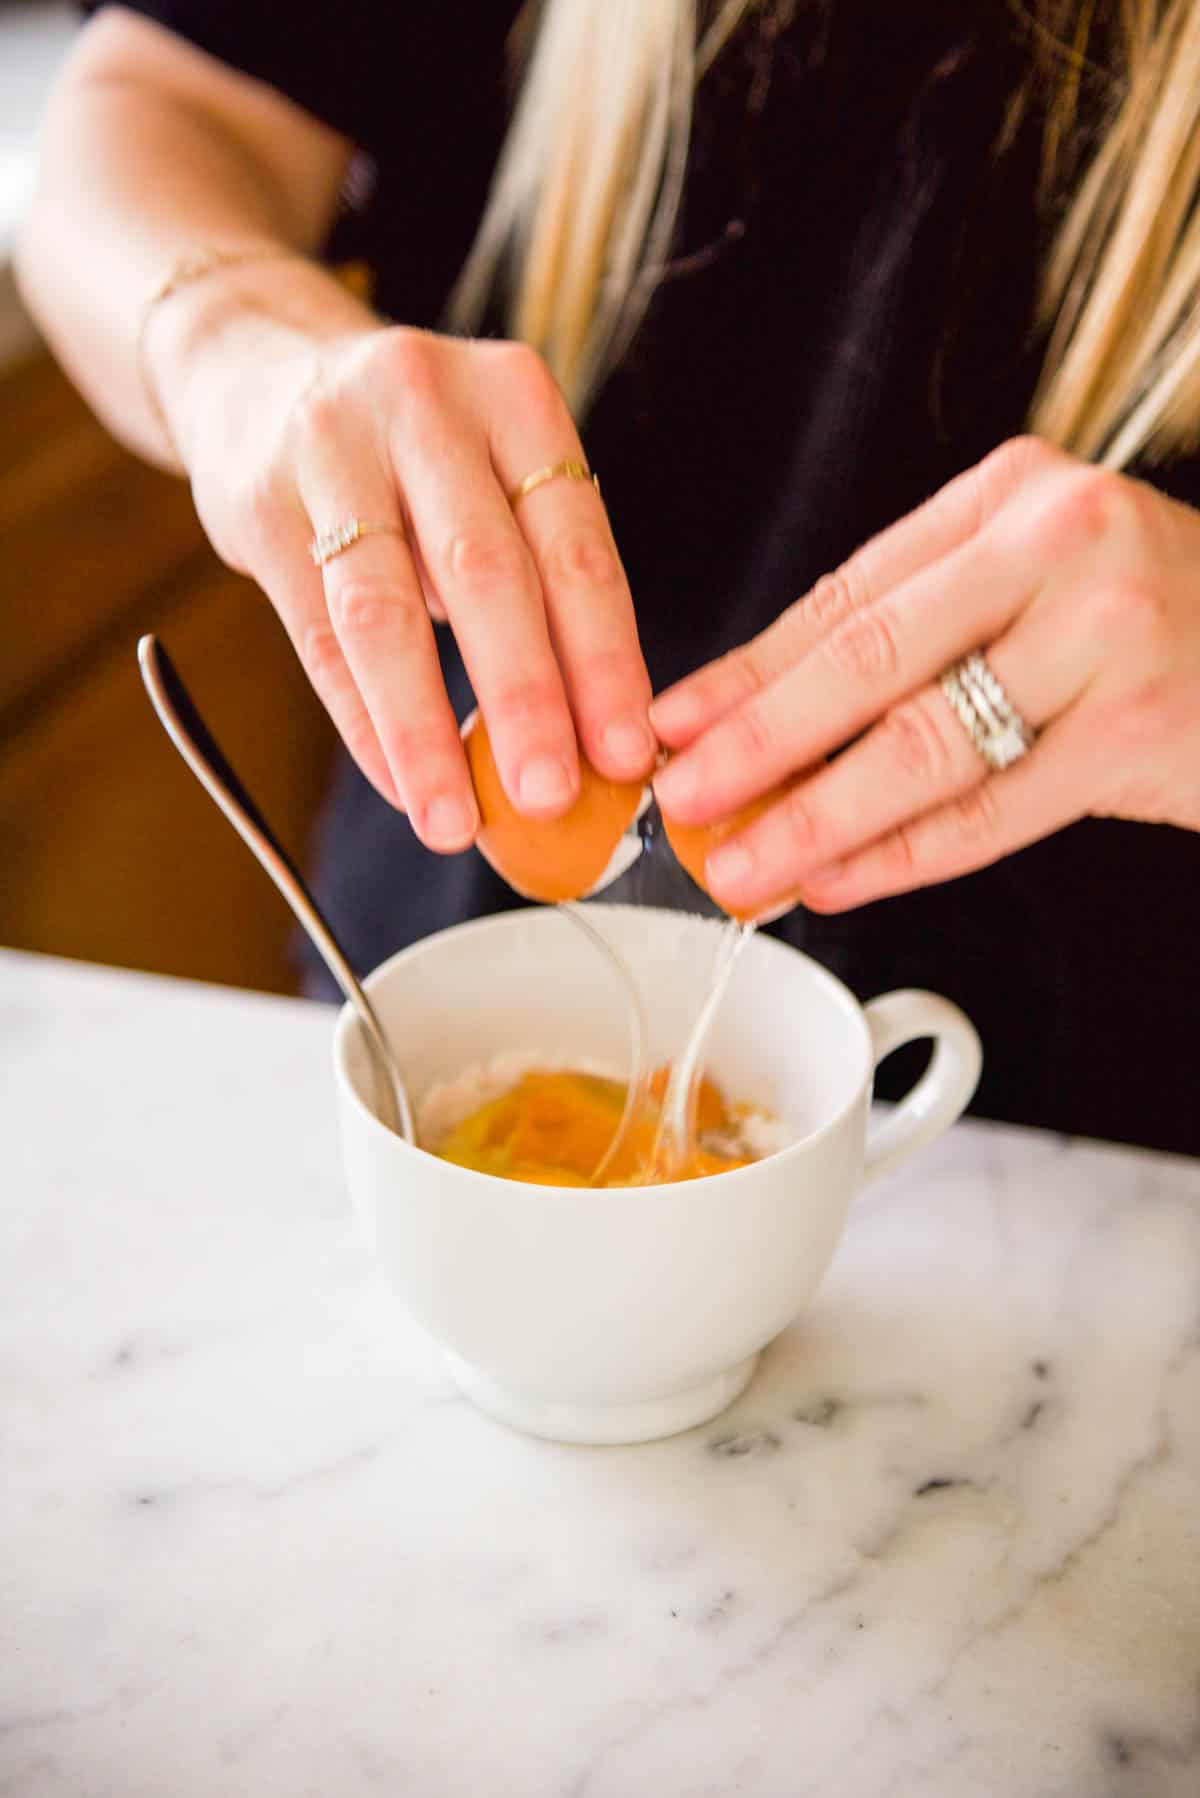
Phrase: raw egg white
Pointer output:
(549, 859)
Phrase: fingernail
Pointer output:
(672, 713)
(728, 866)
(677, 784)
(545, 785)
(450, 823)
(631, 743)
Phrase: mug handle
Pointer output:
(944, 1089)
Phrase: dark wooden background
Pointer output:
(109, 850)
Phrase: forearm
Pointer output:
(140, 169)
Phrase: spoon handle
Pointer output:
(196, 744)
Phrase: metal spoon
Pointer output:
(192, 738)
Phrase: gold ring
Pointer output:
(568, 471)
(339, 537)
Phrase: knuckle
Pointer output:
(898, 857)
(1005, 470)
(514, 356)
(735, 678)
(975, 816)
(784, 641)
(1020, 455)
(600, 678)
(358, 607)
(863, 646)
(316, 414)
(1096, 500)
(832, 599)
(478, 561)
(544, 409)
(914, 742)
(1146, 723)
(364, 607)
(749, 673)
(418, 746)
(804, 829)
(752, 738)
(320, 654)
(359, 735)
(411, 360)
(259, 529)
(522, 363)
(528, 377)
(1121, 610)
(520, 704)
(1084, 510)
(581, 558)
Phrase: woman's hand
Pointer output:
(1081, 588)
(427, 437)
(294, 409)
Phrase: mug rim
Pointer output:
(347, 1017)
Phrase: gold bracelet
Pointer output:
(192, 267)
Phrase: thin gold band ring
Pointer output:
(567, 471)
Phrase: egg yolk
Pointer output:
(554, 1129)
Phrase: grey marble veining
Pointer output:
(252, 1541)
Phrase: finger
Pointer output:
(918, 757)
(484, 576)
(592, 626)
(847, 680)
(383, 630)
(1045, 791)
(434, 606)
(293, 585)
(588, 603)
(955, 514)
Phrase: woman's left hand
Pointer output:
(1082, 588)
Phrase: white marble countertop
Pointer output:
(252, 1541)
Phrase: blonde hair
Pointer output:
(588, 186)
(1121, 377)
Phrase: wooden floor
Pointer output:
(109, 850)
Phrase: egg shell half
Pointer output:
(549, 859)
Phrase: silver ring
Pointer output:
(986, 713)
(339, 537)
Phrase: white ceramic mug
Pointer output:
(622, 1314)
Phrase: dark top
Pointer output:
(847, 323)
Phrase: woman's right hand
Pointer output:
(428, 436)
(294, 408)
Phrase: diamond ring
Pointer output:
(986, 713)
(339, 538)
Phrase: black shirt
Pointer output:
(847, 322)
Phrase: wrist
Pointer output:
(224, 313)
